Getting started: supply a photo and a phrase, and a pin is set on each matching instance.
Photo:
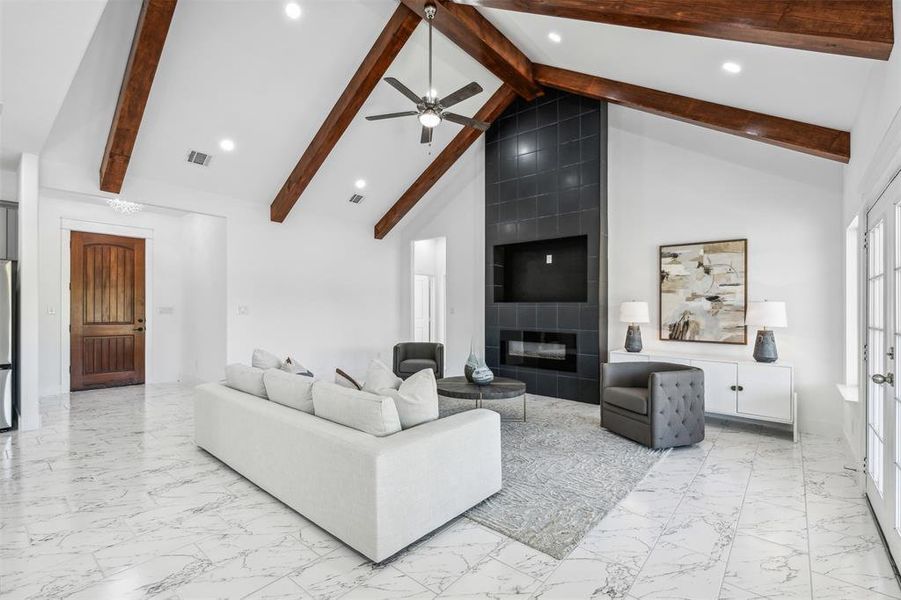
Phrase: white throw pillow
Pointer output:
(417, 399)
(292, 366)
(265, 360)
(245, 379)
(380, 377)
(356, 409)
(293, 391)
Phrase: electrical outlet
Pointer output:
(165, 310)
(549, 259)
(243, 310)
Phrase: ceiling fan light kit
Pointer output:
(431, 110)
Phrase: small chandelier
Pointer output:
(124, 206)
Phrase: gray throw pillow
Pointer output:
(370, 413)
(293, 391)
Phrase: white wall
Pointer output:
(29, 256)
(875, 157)
(453, 209)
(672, 182)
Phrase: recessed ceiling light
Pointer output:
(227, 145)
(731, 67)
(292, 9)
(554, 37)
(360, 184)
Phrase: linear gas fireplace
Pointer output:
(539, 349)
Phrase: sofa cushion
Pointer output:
(370, 413)
(380, 377)
(245, 379)
(263, 359)
(414, 365)
(631, 399)
(293, 391)
(416, 400)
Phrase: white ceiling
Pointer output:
(824, 89)
(41, 45)
(242, 70)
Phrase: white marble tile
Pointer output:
(775, 522)
(441, 559)
(583, 575)
(827, 588)
(335, 574)
(281, 589)
(492, 579)
(673, 572)
(769, 569)
(623, 537)
(525, 559)
(389, 584)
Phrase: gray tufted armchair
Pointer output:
(660, 405)
(412, 357)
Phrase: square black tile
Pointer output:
(506, 316)
(546, 205)
(526, 143)
(547, 226)
(590, 221)
(528, 377)
(527, 230)
(506, 233)
(527, 164)
(591, 147)
(508, 148)
(546, 385)
(492, 336)
(508, 169)
(547, 318)
(588, 342)
(507, 191)
(547, 137)
(568, 316)
(490, 214)
(590, 196)
(590, 172)
(527, 186)
(589, 391)
(569, 201)
(570, 153)
(568, 224)
(507, 126)
(589, 366)
(567, 388)
(568, 177)
(527, 119)
(568, 131)
(492, 357)
(506, 211)
(591, 124)
(490, 316)
(526, 316)
(547, 159)
(568, 106)
(527, 208)
(547, 114)
(547, 182)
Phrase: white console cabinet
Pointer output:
(736, 388)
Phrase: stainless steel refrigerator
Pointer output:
(9, 401)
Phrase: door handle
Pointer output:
(138, 329)
(879, 379)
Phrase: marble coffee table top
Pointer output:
(500, 388)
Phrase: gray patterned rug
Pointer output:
(562, 472)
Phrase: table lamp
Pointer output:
(633, 313)
(766, 314)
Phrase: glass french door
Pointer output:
(883, 431)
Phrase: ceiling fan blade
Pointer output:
(407, 113)
(426, 137)
(403, 89)
(465, 92)
(461, 120)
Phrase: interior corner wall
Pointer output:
(454, 209)
(672, 182)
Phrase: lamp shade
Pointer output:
(766, 314)
(634, 312)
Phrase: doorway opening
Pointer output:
(429, 290)
(107, 311)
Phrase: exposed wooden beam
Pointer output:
(146, 49)
(492, 109)
(473, 33)
(786, 133)
(389, 43)
(852, 27)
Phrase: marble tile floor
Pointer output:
(111, 500)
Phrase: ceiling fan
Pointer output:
(429, 109)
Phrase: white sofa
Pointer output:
(377, 494)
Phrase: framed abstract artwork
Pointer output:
(704, 292)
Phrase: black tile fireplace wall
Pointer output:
(546, 177)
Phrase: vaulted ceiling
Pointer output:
(243, 70)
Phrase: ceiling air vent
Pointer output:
(199, 158)
(356, 199)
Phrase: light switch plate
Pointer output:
(549, 259)
(243, 310)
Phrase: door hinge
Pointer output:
(866, 352)
(891, 352)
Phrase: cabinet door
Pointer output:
(720, 379)
(670, 359)
(766, 391)
(619, 357)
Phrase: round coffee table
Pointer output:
(502, 388)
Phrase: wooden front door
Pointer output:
(107, 320)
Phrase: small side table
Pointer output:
(502, 388)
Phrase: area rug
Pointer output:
(562, 472)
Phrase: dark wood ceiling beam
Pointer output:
(143, 59)
(851, 27)
(389, 43)
(496, 105)
(786, 133)
(475, 35)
